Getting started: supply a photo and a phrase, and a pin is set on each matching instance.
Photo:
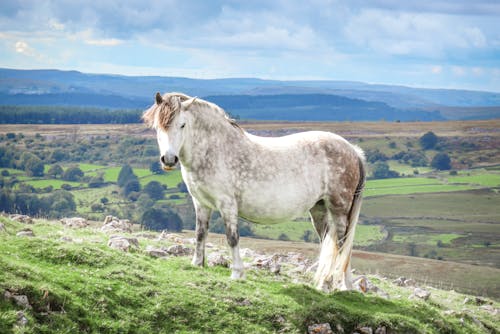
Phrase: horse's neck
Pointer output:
(213, 139)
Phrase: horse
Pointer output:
(264, 180)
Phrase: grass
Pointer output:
(87, 287)
(295, 230)
(56, 184)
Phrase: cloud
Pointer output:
(104, 42)
(401, 33)
(23, 48)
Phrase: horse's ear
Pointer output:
(186, 104)
(159, 99)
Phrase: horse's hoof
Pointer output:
(237, 275)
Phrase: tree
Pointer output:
(155, 167)
(428, 140)
(155, 190)
(161, 219)
(34, 166)
(55, 171)
(72, 174)
(381, 171)
(126, 175)
(131, 186)
(441, 161)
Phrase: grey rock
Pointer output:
(365, 330)
(75, 222)
(179, 250)
(319, 329)
(421, 293)
(2, 228)
(123, 243)
(27, 232)
(271, 263)
(25, 219)
(156, 252)
(381, 330)
(113, 224)
(218, 259)
(21, 319)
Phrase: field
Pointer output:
(445, 220)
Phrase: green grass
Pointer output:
(54, 183)
(295, 230)
(87, 287)
(407, 169)
(170, 179)
(428, 238)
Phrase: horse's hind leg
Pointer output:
(335, 255)
(202, 217)
(319, 218)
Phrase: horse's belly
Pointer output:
(262, 207)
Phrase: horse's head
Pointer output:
(168, 117)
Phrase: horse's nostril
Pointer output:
(162, 159)
(176, 160)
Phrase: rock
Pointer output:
(75, 222)
(179, 250)
(2, 228)
(381, 330)
(113, 224)
(25, 219)
(400, 281)
(27, 232)
(490, 309)
(189, 241)
(21, 300)
(421, 293)
(319, 329)
(172, 237)
(409, 282)
(247, 252)
(123, 243)
(21, 319)
(218, 259)
(361, 284)
(271, 263)
(365, 330)
(156, 252)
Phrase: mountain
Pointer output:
(250, 98)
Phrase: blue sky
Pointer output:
(447, 44)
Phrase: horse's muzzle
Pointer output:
(168, 162)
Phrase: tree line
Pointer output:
(67, 115)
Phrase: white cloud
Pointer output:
(23, 48)
(104, 42)
(437, 69)
(404, 33)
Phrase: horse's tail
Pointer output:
(334, 266)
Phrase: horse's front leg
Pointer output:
(230, 216)
(202, 217)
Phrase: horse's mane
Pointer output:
(161, 116)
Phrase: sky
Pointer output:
(435, 44)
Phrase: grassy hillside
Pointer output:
(80, 285)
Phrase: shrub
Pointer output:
(72, 174)
(161, 219)
(441, 161)
(428, 140)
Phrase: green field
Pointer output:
(56, 184)
(295, 230)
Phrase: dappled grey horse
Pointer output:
(262, 179)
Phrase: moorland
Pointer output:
(437, 224)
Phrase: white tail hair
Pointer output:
(334, 265)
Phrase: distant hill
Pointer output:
(250, 98)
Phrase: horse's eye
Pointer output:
(183, 125)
